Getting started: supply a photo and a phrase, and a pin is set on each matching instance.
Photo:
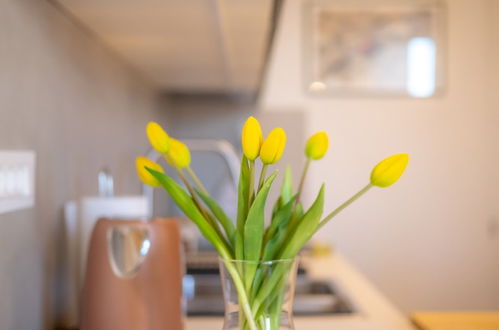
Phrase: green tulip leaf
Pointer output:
(242, 208)
(305, 228)
(254, 229)
(286, 192)
(281, 218)
(219, 214)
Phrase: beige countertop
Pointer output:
(374, 311)
(457, 320)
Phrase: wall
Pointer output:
(430, 241)
(79, 107)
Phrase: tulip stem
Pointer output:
(196, 180)
(302, 180)
(193, 193)
(263, 174)
(343, 206)
(251, 183)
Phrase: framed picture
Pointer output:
(373, 47)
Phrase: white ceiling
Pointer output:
(184, 45)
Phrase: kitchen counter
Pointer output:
(373, 310)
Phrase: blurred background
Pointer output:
(80, 79)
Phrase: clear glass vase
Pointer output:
(258, 294)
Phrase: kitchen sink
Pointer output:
(203, 295)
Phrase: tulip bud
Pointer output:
(389, 170)
(251, 138)
(273, 146)
(317, 146)
(158, 137)
(145, 176)
(179, 154)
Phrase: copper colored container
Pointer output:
(145, 297)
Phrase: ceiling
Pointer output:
(185, 45)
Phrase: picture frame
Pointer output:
(373, 48)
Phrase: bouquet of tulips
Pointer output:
(250, 238)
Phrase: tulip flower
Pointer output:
(145, 176)
(273, 146)
(389, 170)
(317, 146)
(179, 155)
(158, 137)
(251, 138)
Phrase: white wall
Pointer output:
(79, 107)
(429, 241)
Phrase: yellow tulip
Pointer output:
(251, 138)
(147, 178)
(317, 146)
(273, 146)
(179, 154)
(159, 139)
(389, 170)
